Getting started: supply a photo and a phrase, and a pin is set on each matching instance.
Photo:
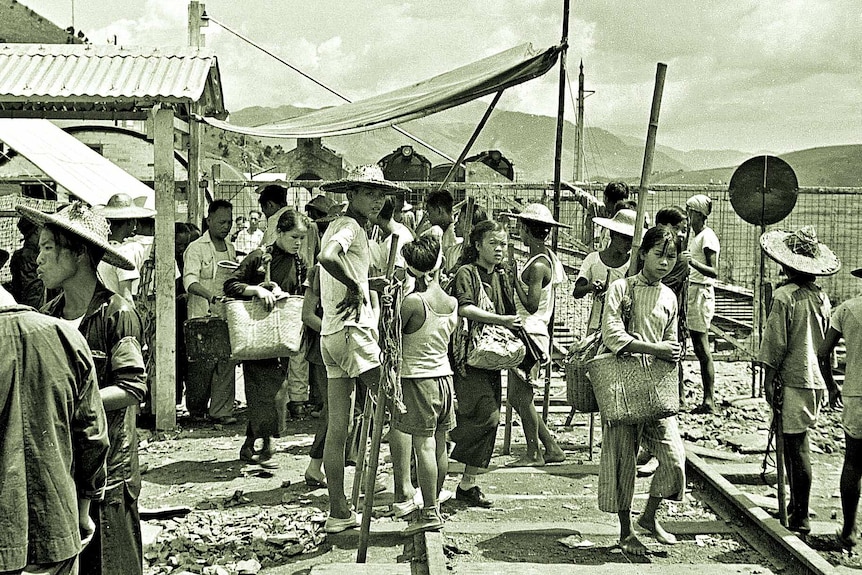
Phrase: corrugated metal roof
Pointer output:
(63, 71)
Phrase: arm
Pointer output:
(475, 313)
(710, 269)
(128, 374)
(192, 265)
(465, 292)
(530, 290)
(824, 358)
(311, 301)
(330, 260)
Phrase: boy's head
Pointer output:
(438, 205)
(615, 192)
(366, 189)
(272, 198)
(422, 255)
(698, 207)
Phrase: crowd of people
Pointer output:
(89, 351)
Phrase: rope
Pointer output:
(390, 345)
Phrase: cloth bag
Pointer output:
(490, 346)
(633, 388)
(258, 333)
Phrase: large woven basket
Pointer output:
(207, 339)
(634, 388)
(256, 333)
(579, 388)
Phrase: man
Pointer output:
(249, 239)
(593, 208)
(72, 242)
(27, 288)
(438, 213)
(210, 382)
(273, 203)
(122, 214)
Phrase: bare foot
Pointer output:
(558, 456)
(633, 546)
(658, 532)
(537, 461)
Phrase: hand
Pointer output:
(87, 528)
(669, 351)
(378, 284)
(835, 398)
(512, 322)
(598, 287)
(265, 296)
(685, 256)
(350, 306)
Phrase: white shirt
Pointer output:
(696, 245)
(356, 257)
(200, 265)
(246, 242)
(594, 269)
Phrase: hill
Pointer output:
(20, 24)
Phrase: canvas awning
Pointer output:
(82, 171)
(436, 94)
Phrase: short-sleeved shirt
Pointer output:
(381, 250)
(847, 320)
(111, 276)
(594, 269)
(706, 239)
(356, 256)
(200, 265)
(794, 330)
(497, 285)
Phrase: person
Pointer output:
(452, 254)
(593, 208)
(273, 202)
(535, 287)
(122, 214)
(210, 382)
(651, 329)
(312, 315)
(479, 391)
(846, 322)
(249, 238)
(27, 288)
(601, 268)
(6, 298)
(428, 320)
(396, 232)
(184, 234)
(403, 211)
(703, 248)
(264, 377)
(241, 224)
(349, 328)
(438, 214)
(55, 443)
(794, 379)
(71, 244)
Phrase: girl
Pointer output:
(428, 317)
(651, 329)
(263, 378)
(479, 391)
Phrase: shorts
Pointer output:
(800, 408)
(429, 403)
(350, 352)
(851, 420)
(700, 307)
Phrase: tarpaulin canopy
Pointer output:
(79, 169)
(436, 94)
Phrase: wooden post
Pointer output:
(470, 142)
(164, 388)
(194, 193)
(652, 130)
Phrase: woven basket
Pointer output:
(256, 333)
(579, 388)
(207, 339)
(634, 389)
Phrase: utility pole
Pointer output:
(579, 129)
(194, 193)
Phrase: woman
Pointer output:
(650, 329)
(263, 378)
(479, 391)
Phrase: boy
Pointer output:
(794, 379)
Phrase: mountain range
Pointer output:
(528, 141)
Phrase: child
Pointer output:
(650, 330)
(794, 378)
(847, 323)
(479, 391)
(429, 317)
(703, 247)
(263, 377)
(535, 287)
(601, 268)
(312, 313)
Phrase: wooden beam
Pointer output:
(163, 389)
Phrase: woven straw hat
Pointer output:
(800, 251)
(79, 219)
(123, 207)
(623, 222)
(369, 175)
(537, 213)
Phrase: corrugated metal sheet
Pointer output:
(74, 166)
(62, 71)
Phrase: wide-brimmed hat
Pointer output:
(623, 222)
(369, 175)
(320, 203)
(4, 257)
(78, 218)
(123, 207)
(537, 213)
(800, 251)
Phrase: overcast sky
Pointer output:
(750, 75)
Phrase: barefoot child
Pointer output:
(429, 317)
(651, 330)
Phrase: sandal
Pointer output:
(246, 454)
(315, 482)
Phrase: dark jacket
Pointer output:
(112, 329)
(54, 441)
(26, 287)
(286, 270)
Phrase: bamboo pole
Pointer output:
(470, 142)
(649, 150)
(561, 108)
(376, 432)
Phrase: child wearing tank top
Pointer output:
(429, 317)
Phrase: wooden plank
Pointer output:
(500, 568)
(584, 528)
(745, 473)
(163, 389)
(361, 569)
(572, 469)
(435, 558)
